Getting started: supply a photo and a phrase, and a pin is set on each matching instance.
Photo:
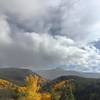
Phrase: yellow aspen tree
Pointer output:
(31, 89)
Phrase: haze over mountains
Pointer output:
(57, 72)
(18, 74)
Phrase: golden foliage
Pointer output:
(31, 89)
(45, 96)
(6, 84)
(58, 85)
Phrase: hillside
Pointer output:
(83, 88)
(15, 75)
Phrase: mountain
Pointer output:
(83, 88)
(19, 74)
(16, 75)
(54, 73)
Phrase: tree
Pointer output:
(31, 89)
(67, 91)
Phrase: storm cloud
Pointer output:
(42, 34)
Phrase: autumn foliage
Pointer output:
(31, 90)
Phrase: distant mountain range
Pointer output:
(55, 73)
(18, 74)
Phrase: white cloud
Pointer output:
(25, 29)
(4, 30)
(43, 50)
(79, 21)
(23, 8)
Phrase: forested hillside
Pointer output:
(35, 87)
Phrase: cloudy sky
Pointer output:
(50, 33)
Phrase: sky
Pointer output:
(42, 34)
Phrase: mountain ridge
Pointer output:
(57, 72)
(16, 75)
